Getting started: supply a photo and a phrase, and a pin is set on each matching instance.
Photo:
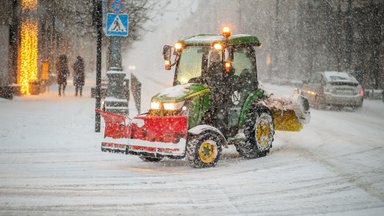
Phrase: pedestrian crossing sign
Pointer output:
(117, 24)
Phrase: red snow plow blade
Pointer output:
(153, 135)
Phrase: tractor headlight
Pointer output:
(173, 106)
(155, 105)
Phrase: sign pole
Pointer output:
(99, 26)
(117, 99)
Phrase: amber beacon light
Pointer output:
(226, 32)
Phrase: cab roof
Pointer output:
(209, 39)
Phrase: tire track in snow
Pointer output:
(353, 178)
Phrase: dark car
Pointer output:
(334, 89)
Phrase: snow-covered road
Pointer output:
(51, 164)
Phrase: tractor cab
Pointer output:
(206, 57)
(225, 64)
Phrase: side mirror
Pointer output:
(167, 51)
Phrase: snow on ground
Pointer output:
(51, 164)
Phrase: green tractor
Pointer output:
(215, 101)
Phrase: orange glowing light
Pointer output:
(27, 54)
(178, 46)
(167, 64)
(28, 4)
(218, 46)
(228, 66)
(226, 32)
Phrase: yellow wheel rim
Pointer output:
(263, 131)
(208, 151)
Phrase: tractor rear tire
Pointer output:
(204, 150)
(258, 131)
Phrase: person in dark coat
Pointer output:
(62, 73)
(78, 75)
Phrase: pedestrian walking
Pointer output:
(78, 75)
(62, 73)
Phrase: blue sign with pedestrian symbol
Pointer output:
(117, 24)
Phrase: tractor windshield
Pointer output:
(194, 63)
(190, 63)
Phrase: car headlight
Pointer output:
(173, 106)
(155, 105)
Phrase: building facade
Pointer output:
(5, 44)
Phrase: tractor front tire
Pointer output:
(204, 150)
(258, 131)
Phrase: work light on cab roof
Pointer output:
(178, 46)
(218, 46)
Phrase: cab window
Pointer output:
(244, 63)
(190, 64)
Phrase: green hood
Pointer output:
(180, 92)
